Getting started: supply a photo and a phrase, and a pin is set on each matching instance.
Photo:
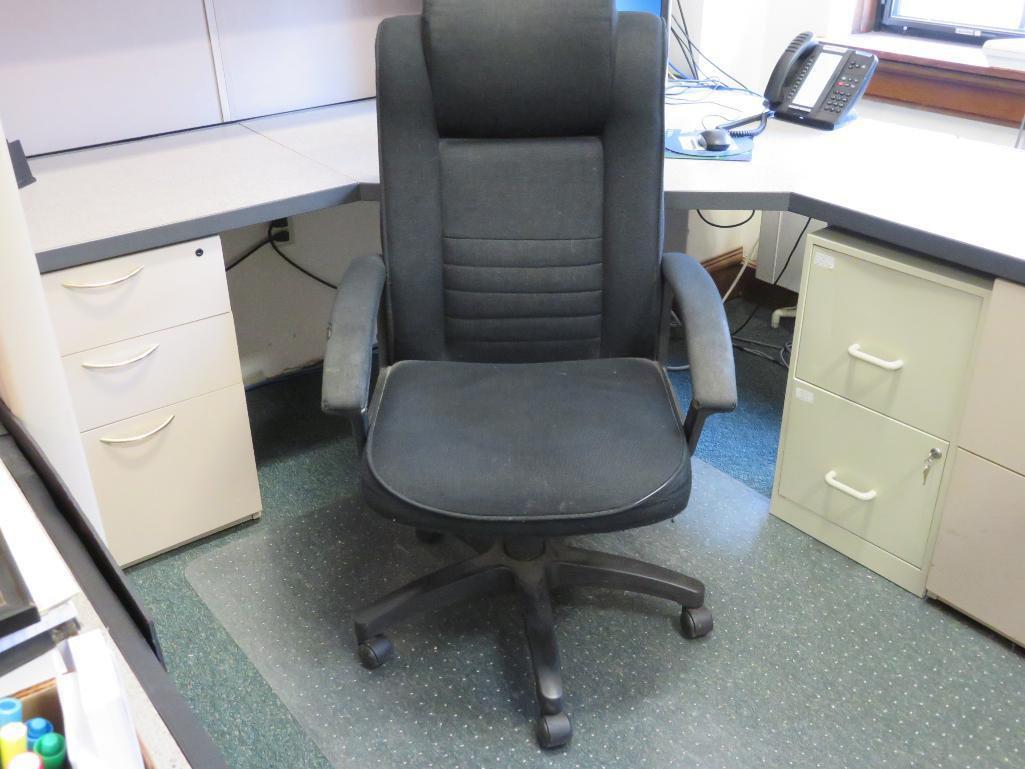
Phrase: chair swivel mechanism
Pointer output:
(521, 311)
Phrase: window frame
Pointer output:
(887, 22)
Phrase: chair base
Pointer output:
(531, 568)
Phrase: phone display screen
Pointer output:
(818, 79)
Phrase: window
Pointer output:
(963, 20)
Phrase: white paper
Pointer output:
(804, 395)
(48, 578)
(824, 260)
(98, 724)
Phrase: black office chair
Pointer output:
(520, 397)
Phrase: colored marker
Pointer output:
(37, 727)
(10, 710)
(13, 740)
(26, 761)
(52, 750)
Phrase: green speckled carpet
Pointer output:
(814, 662)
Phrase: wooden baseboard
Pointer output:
(723, 268)
(952, 78)
(965, 94)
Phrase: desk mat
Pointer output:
(678, 145)
(814, 662)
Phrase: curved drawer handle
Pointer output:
(137, 438)
(105, 283)
(120, 363)
(864, 496)
(890, 365)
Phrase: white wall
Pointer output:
(280, 314)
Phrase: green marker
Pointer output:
(51, 749)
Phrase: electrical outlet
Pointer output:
(279, 226)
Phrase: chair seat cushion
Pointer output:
(526, 449)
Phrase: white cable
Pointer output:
(745, 262)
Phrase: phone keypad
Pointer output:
(844, 88)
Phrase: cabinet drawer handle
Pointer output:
(855, 351)
(864, 496)
(105, 283)
(137, 438)
(120, 363)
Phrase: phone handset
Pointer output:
(786, 65)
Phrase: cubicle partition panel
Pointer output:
(80, 74)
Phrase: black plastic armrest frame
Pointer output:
(349, 356)
(707, 335)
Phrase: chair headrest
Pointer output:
(519, 68)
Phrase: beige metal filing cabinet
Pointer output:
(978, 563)
(882, 355)
(148, 348)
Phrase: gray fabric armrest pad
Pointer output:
(709, 347)
(348, 359)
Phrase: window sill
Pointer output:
(949, 77)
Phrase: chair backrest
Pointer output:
(521, 180)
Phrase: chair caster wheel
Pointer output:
(375, 651)
(695, 623)
(554, 731)
(429, 537)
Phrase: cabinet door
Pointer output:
(860, 470)
(995, 415)
(174, 474)
(895, 342)
(977, 564)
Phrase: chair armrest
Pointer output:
(707, 335)
(348, 358)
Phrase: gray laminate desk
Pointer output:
(951, 199)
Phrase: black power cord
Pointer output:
(272, 240)
(786, 264)
(247, 254)
(303, 270)
(701, 216)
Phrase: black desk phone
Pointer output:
(818, 84)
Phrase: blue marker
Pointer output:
(37, 727)
(10, 710)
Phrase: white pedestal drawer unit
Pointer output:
(882, 355)
(978, 564)
(149, 354)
